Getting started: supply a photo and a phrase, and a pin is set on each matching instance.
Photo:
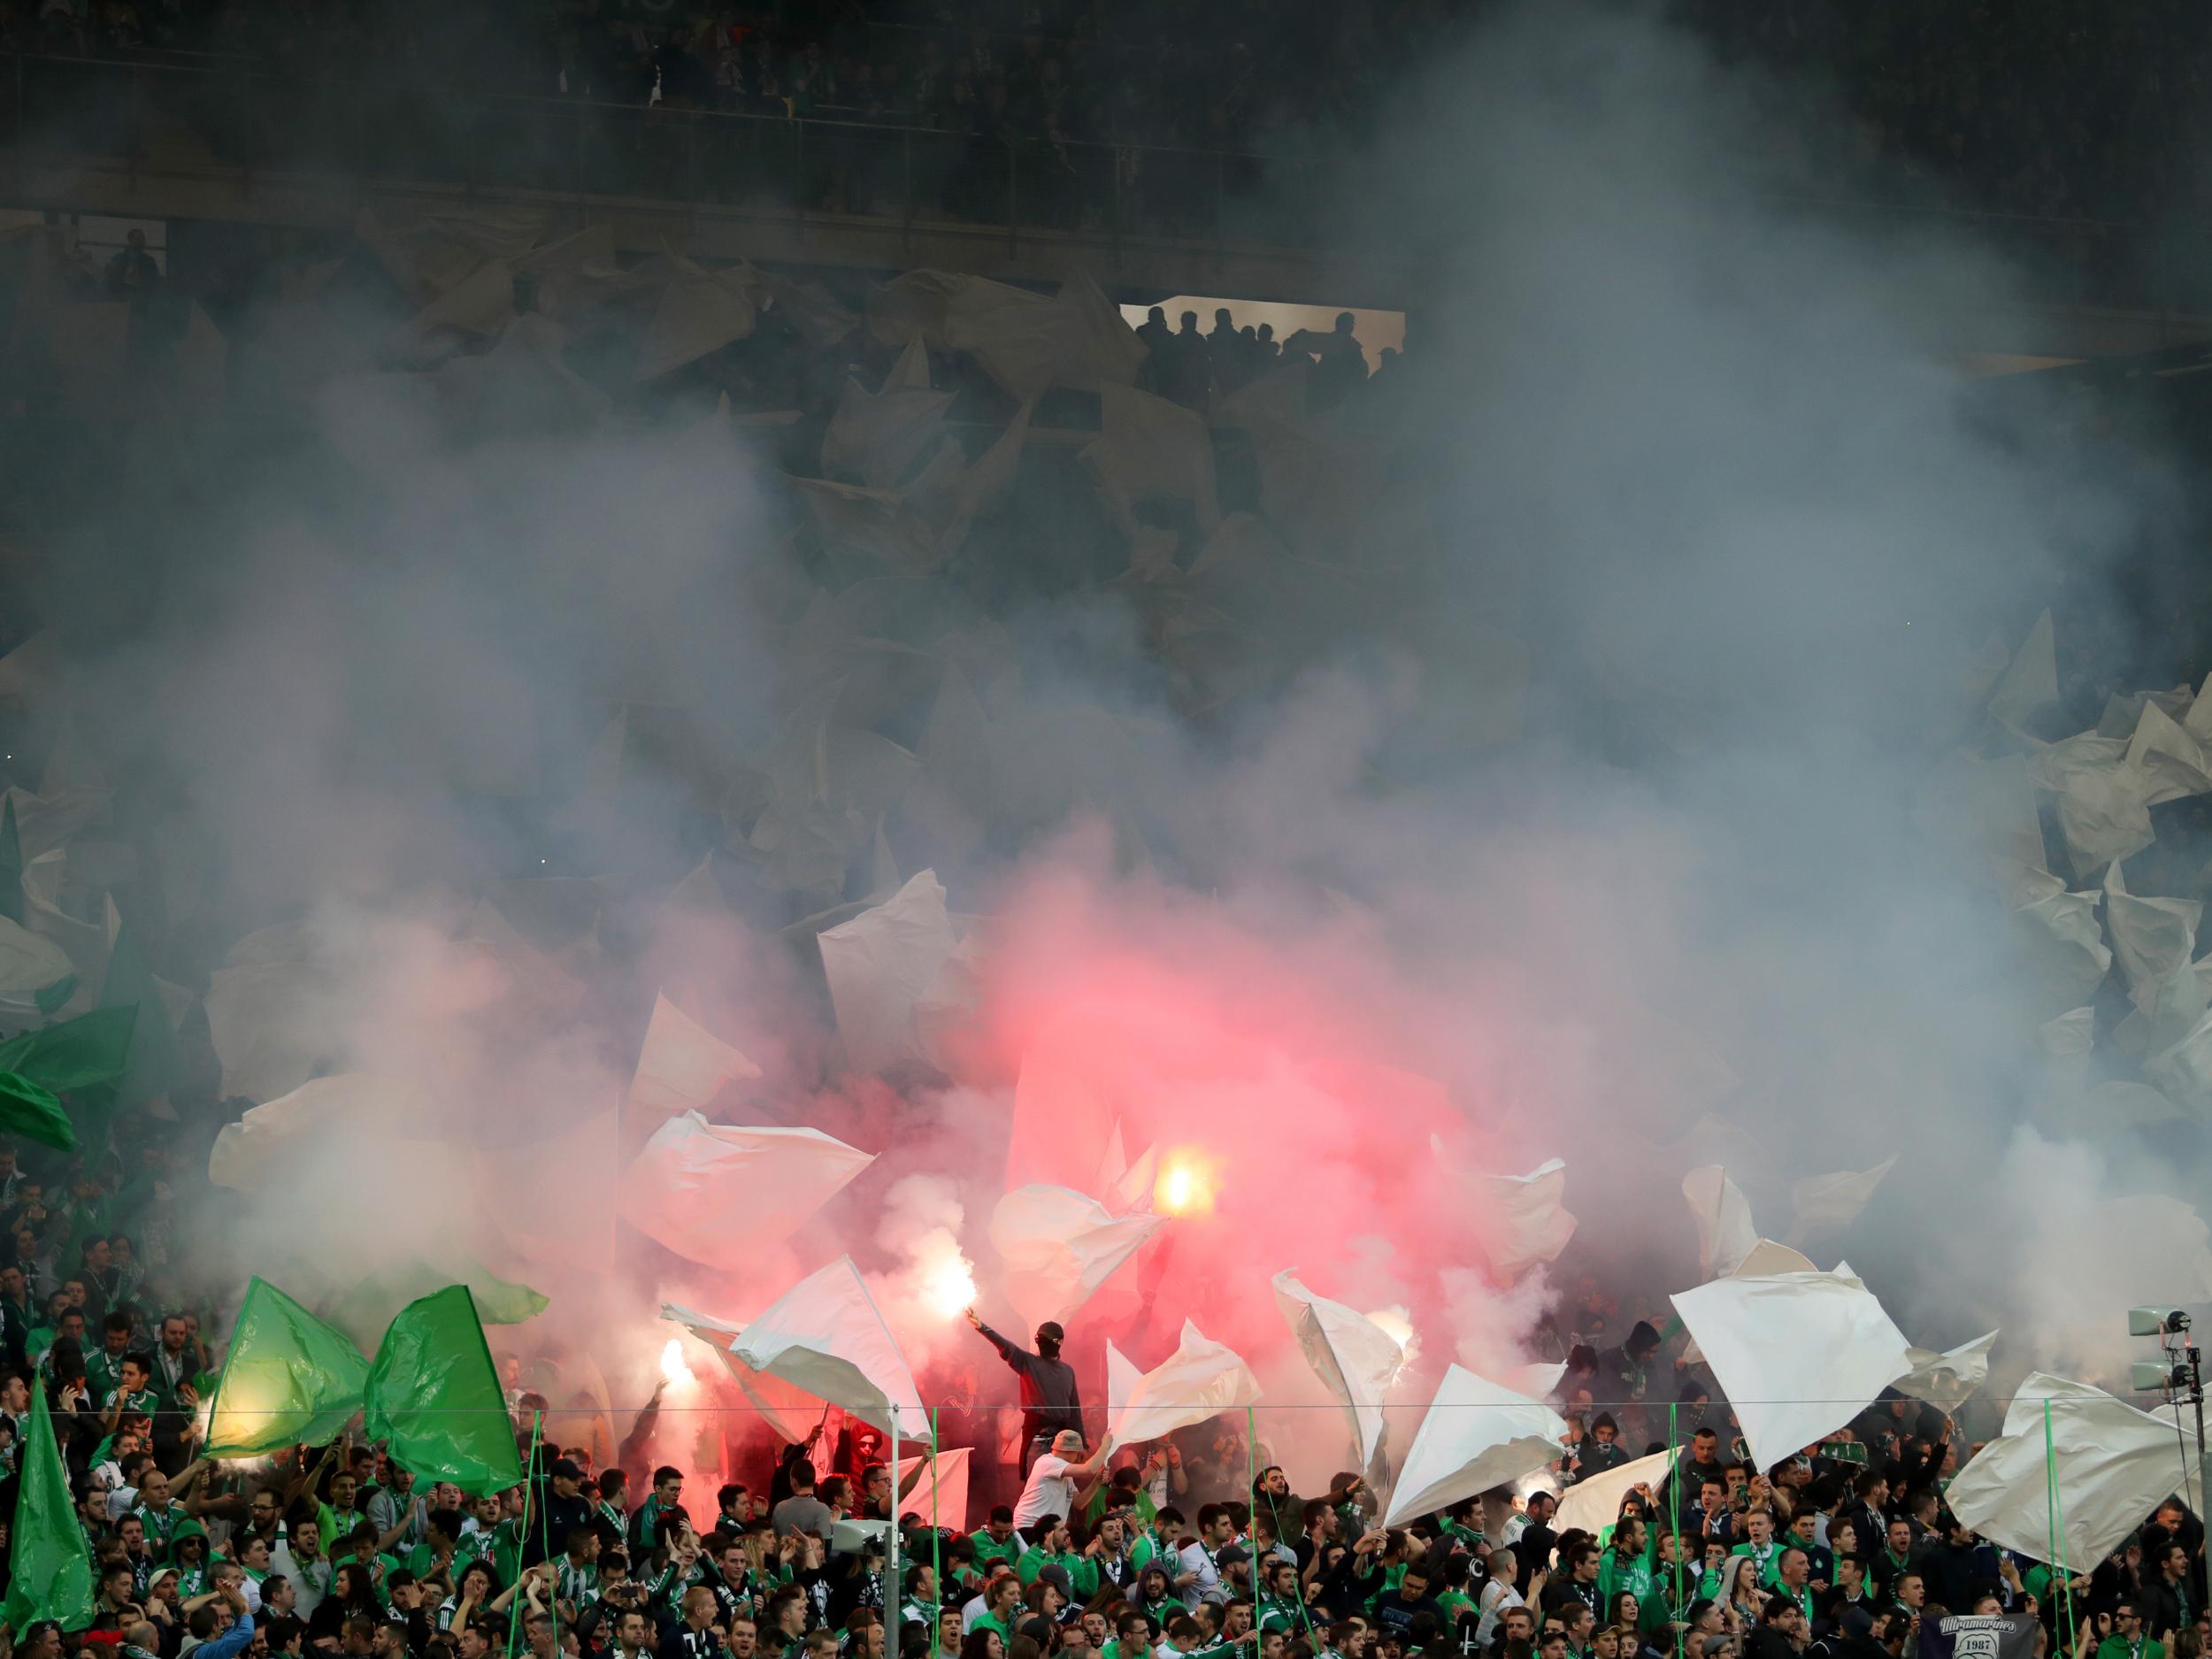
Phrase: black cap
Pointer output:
(1231, 1552)
(566, 1469)
(1050, 1332)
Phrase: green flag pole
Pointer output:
(1671, 1496)
(936, 1535)
(2056, 1514)
(522, 1533)
(892, 1624)
(1252, 1461)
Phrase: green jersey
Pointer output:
(989, 1549)
(1082, 1569)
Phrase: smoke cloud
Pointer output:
(1545, 771)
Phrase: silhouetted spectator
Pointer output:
(132, 274)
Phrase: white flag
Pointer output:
(681, 1067)
(717, 1194)
(1058, 1246)
(1525, 1218)
(1724, 1231)
(1199, 1380)
(1355, 1359)
(884, 964)
(826, 1336)
(1798, 1355)
(1948, 1379)
(1476, 1435)
(1834, 1200)
(2112, 1465)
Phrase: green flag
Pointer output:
(11, 865)
(434, 1396)
(153, 1053)
(50, 1567)
(365, 1311)
(35, 1113)
(289, 1378)
(84, 1059)
(91, 1051)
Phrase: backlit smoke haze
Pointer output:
(1569, 799)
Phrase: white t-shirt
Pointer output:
(1497, 1596)
(1051, 1491)
(1198, 1559)
(1157, 1488)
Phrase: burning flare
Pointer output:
(673, 1371)
(1395, 1323)
(1185, 1186)
(949, 1287)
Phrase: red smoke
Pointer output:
(1280, 1053)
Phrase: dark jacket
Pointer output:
(1050, 1401)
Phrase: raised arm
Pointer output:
(1006, 1351)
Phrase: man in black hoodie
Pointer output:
(1620, 1374)
(1858, 1637)
(1957, 1565)
(1600, 1449)
(1050, 1399)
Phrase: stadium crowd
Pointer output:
(1196, 1545)
(1192, 1545)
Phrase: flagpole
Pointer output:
(895, 1625)
(936, 1537)
(1251, 1487)
(1252, 1440)
(2056, 1519)
(522, 1533)
(1671, 1498)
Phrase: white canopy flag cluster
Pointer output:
(1765, 1258)
(2111, 1465)
(1725, 1234)
(1126, 1186)
(790, 1412)
(1835, 1200)
(717, 1193)
(934, 1487)
(357, 1113)
(1798, 1355)
(681, 1067)
(1201, 1379)
(1476, 1435)
(826, 1336)
(1057, 1246)
(29, 964)
(1530, 1223)
(1948, 1379)
(884, 966)
(2030, 682)
(1594, 1503)
(268, 1013)
(1355, 1359)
